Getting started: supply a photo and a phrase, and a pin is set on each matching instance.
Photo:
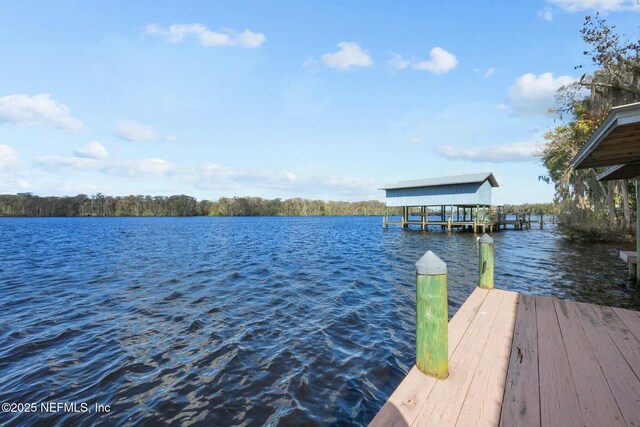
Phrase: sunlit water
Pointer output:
(243, 321)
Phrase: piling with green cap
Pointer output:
(486, 262)
(432, 316)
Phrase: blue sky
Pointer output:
(313, 99)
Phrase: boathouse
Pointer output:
(461, 201)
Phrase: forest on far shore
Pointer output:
(27, 204)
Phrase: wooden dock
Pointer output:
(518, 360)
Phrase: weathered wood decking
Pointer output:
(519, 360)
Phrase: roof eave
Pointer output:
(618, 116)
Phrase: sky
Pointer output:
(279, 99)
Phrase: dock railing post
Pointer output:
(432, 316)
(486, 262)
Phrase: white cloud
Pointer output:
(8, 158)
(349, 55)
(226, 37)
(136, 167)
(546, 14)
(237, 181)
(60, 162)
(440, 62)
(17, 185)
(490, 72)
(153, 166)
(602, 5)
(93, 150)
(37, 110)
(397, 62)
(522, 151)
(485, 73)
(138, 132)
(534, 94)
(213, 175)
(344, 184)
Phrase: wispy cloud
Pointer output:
(221, 178)
(53, 163)
(546, 14)
(93, 150)
(534, 94)
(490, 72)
(522, 151)
(8, 158)
(602, 5)
(176, 33)
(138, 132)
(37, 110)
(485, 73)
(349, 55)
(398, 62)
(153, 166)
(129, 168)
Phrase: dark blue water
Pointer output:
(242, 321)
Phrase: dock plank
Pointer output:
(599, 407)
(559, 404)
(483, 402)
(521, 402)
(631, 319)
(403, 405)
(624, 385)
(619, 332)
(528, 361)
(450, 393)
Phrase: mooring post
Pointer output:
(486, 262)
(432, 316)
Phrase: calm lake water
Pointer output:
(243, 321)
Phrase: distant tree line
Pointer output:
(256, 206)
(532, 209)
(27, 204)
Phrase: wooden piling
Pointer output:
(405, 216)
(432, 316)
(486, 262)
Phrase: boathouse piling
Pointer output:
(432, 316)
(486, 262)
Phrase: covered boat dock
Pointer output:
(461, 201)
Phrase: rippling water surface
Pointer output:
(243, 321)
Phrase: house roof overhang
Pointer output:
(616, 142)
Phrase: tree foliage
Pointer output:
(586, 203)
(26, 204)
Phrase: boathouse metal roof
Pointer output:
(444, 180)
(460, 190)
(616, 143)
